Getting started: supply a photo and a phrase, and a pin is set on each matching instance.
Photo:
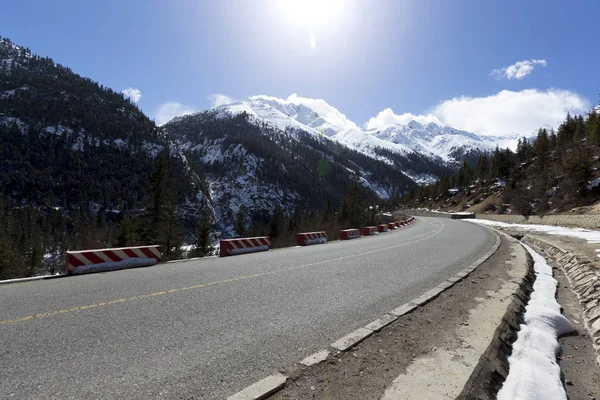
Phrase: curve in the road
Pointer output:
(151, 332)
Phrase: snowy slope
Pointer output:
(442, 144)
(294, 112)
(432, 139)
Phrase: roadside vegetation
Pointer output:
(555, 172)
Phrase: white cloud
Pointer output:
(387, 117)
(510, 112)
(134, 94)
(518, 70)
(219, 99)
(170, 110)
(325, 110)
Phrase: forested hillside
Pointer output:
(555, 173)
(261, 167)
(76, 165)
(82, 167)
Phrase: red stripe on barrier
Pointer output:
(149, 253)
(112, 255)
(92, 257)
(130, 253)
(74, 261)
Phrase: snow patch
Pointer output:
(534, 373)
(579, 233)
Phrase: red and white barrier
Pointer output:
(392, 225)
(307, 238)
(84, 261)
(382, 228)
(230, 247)
(348, 234)
(407, 221)
(397, 224)
(369, 230)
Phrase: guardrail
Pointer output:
(369, 230)
(348, 234)
(84, 261)
(308, 238)
(230, 247)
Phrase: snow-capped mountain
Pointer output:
(310, 115)
(263, 164)
(433, 140)
(443, 144)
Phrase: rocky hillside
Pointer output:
(261, 166)
(559, 172)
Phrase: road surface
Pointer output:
(206, 329)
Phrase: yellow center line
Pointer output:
(202, 285)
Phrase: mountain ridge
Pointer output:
(439, 142)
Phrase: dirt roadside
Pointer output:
(578, 357)
(413, 342)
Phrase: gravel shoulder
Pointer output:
(577, 358)
(434, 347)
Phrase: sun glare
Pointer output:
(310, 15)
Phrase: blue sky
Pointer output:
(363, 57)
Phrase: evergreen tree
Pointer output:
(203, 243)
(240, 221)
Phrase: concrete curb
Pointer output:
(352, 339)
(33, 278)
(360, 334)
(261, 389)
(315, 358)
(491, 371)
(584, 280)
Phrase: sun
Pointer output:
(311, 16)
(311, 13)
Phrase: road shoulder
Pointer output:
(430, 352)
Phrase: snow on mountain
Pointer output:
(432, 139)
(398, 134)
(312, 115)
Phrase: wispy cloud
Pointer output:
(170, 110)
(134, 94)
(219, 99)
(506, 113)
(325, 110)
(509, 113)
(518, 70)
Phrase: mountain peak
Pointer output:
(313, 115)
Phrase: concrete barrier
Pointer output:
(369, 230)
(347, 234)
(382, 228)
(230, 247)
(307, 238)
(84, 261)
(392, 225)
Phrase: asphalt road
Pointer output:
(206, 329)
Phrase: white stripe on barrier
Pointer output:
(103, 256)
(121, 254)
(139, 253)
